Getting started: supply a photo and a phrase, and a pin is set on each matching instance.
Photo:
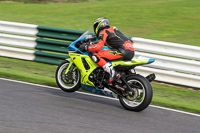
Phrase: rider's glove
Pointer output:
(83, 48)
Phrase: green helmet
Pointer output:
(100, 24)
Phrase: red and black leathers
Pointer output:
(121, 47)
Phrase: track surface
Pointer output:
(35, 109)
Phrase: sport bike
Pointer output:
(79, 71)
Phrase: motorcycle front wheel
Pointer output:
(142, 95)
(68, 81)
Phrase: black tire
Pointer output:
(66, 82)
(142, 97)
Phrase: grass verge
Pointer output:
(44, 1)
(166, 20)
(40, 73)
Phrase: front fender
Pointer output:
(70, 65)
(70, 60)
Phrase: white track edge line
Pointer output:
(55, 88)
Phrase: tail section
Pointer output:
(135, 61)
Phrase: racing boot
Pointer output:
(113, 75)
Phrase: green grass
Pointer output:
(181, 99)
(44, 1)
(40, 73)
(167, 20)
(27, 71)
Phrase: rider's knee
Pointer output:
(95, 58)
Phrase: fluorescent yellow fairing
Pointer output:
(77, 59)
(136, 61)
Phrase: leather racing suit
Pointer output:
(120, 47)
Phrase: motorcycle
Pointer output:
(79, 71)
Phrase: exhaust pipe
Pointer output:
(151, 77)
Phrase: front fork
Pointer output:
(69, 71)
(71, 66)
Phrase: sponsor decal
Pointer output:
(114, 53)
(129, 45)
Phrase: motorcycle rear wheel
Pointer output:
(142, 94)
(68, 82)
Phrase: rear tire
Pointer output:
(69, 82)
(142, 96)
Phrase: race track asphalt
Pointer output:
(35, 109)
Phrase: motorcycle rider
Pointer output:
(120, 47)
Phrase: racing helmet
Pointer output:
(100, 24)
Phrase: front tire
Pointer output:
(142, 94)
(70, 81)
